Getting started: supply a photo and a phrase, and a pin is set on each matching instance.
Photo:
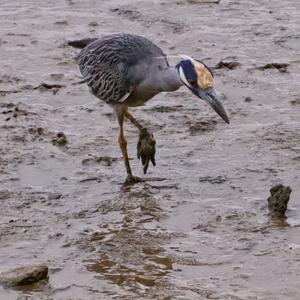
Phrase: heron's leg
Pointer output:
(123, 146)
(131, 118)
(146, 143)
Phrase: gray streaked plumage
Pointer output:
(115, 65)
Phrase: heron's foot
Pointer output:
(130, 180)
(146, 148)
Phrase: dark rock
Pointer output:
(23, 275)
(278, 201)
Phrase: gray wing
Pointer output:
(106, 64)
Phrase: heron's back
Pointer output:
(106, 64)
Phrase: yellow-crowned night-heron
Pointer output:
(127, 70)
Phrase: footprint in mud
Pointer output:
(105, 160)
(6, 79)
(201, 126)
(176, 27)
(129, 14)
(13, 111)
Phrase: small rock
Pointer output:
(248, 99)
(23, 275)
(278, 201)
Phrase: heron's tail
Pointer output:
(81, 43)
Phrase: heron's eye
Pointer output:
(193, 83)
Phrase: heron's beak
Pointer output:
(210, 96)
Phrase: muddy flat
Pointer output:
(203, 233)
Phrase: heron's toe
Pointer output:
(146, 148)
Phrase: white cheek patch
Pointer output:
(182, 76)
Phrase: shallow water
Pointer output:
(204, 232)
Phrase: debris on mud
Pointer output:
(7, 79)
(229, 65)
(295, 101)
(174, 26)
(47, 86)
(13, 111)
(23, 275)
(64, 22)
(54, 196)
(201, 126)
(97, 179)
(204, 1)
(127, 13)
(93, 24)
(214, 180)
(106, 160)
(278, 201)
(248, 99)
(80, 43)
(60, 139)
(281, 67)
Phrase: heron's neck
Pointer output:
(169, 80)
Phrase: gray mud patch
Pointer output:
(205, 232)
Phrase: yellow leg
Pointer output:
(123, 144)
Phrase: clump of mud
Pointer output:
(60, 139)
(278, 201)
(281, 67)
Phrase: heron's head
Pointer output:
(200, 80)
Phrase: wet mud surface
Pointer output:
(203, 233)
